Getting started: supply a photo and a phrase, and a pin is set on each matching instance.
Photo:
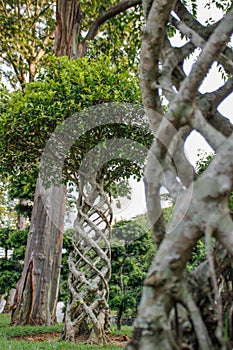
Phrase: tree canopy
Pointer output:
(65, 87)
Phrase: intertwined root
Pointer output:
(90, 268)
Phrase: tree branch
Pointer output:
(39, 15)
(112, 12)
(224, 232)
(152, 45)
(220, 123)
(212, 136)
(211, 50)
(172, 71)
(213, 116)
(39, 55)
(198, 323)
(198, 41)
(220, 94)
(192, 22)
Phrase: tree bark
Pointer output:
(37, 290)
(119, 316)
(68, 26)
(120, 310)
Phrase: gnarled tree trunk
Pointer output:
(171, 293)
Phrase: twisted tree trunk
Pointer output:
(87, 312)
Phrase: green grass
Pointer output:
(11, 332)
(4, 320)
(7, 333)
(55, 345)
(128, 330)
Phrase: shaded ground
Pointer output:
(118, 340)
(39, 337)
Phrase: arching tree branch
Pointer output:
(112, 12)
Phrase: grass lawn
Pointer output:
(35, 337)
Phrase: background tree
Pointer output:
(14, 240)
(28, 31)
(171, 296)
(26, 36)
(132, 251)
(60, 105)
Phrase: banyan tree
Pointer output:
(180, 309)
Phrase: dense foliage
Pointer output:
(132, 252)
(63, 88)
(26, 35)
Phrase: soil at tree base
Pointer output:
(118, 340)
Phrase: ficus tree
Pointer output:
(181, 310)
(116, 148)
